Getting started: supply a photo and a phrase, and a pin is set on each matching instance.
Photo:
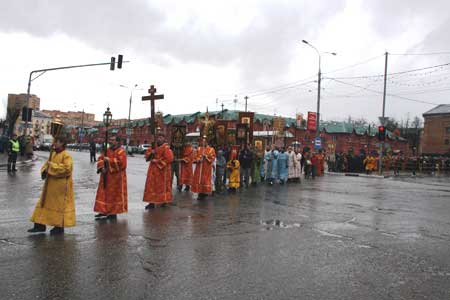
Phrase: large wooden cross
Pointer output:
(152, 97)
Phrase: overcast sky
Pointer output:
(202, 53)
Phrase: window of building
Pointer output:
(446, 141)
(447, 130)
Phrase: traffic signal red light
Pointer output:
(381, 133)
(119, 61)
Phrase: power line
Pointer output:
(430, 53)
(378, 92)
(281, 89)
(354, 65)
(395, 73)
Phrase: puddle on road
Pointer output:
(332, 226)
(364, 246)
(273, 223)
(326, 233)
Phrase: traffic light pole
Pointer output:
(380, 162)
(42, 71)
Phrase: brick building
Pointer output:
(41, 124)
(336, 136)
(73, 118)
(436, 131)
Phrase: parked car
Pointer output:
(46, 143)
(133, 149)
(142, 148)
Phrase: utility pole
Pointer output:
(222, 110)
(82, 130)
(319, 79)
(383, 121)
(246, 98)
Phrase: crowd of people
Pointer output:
(391, 162)
(197, 169)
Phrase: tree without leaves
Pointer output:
(12, 115)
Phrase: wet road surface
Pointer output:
(332, 238)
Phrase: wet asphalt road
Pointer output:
(332, 238)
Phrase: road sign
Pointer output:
(317, 143)
(383, 120)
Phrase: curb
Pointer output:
(357, 175)
(22, 162)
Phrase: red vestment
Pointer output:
(158, 186)
(186, 165)
(320, 165)
(203, 170)
(112, 199)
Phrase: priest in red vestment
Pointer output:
(186, 167)
(202, 181)
(112, 195)
(158, 186)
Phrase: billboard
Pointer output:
(312, 121)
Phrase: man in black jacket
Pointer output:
(245, 160)
(93, 151)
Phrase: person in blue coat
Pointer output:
(282, 160)
(275, 175)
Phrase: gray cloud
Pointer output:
(112, 24)
(391, 17)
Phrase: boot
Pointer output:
(150, 206)
(9, 167)
(187, 188)
(112, 217)
(57, 230)
(179, 188)
(100, 216)
(14, 167)
(37, 228)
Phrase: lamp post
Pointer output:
(129, 115)
(319, 79)
(107, 117)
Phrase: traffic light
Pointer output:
(381, 133)
(113, 63)
(119, 61)
(26, 114)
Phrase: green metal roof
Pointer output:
(92, 130)
(344, 127)
(336, 127)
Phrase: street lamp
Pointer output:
(319, 78)
(129, 115)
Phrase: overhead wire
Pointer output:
(389, 94)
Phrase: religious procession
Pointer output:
(207, 166)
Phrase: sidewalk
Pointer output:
(20, 159)
(386, 174)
